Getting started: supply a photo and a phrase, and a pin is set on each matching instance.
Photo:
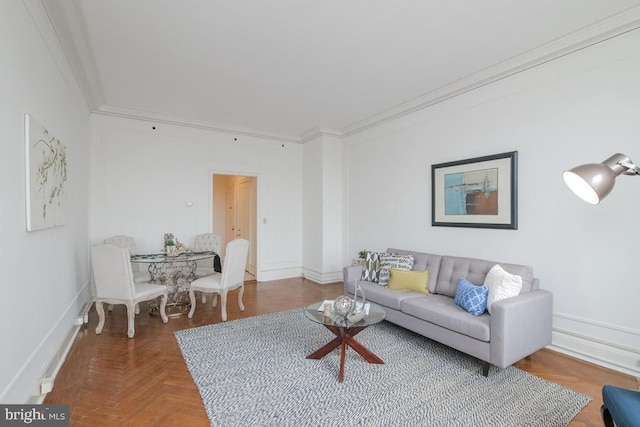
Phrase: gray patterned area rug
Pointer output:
(254, 372)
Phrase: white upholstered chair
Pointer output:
(207, 242)
(129, 243)
(111, 266)
(232, 277)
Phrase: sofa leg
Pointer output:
(485, 368)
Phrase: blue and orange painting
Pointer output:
(471, 193)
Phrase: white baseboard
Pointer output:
(58, 358)
(322, 278)
(278, 274)
(288, 273)
(47, 357)
(54, 366)
(602, 344)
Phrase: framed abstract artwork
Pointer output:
(481, 192)
(46, 177)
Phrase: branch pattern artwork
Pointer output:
(46, 167)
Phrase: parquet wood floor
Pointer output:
(110, 380)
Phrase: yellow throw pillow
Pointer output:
(417, 281)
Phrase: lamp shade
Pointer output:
(592, 182)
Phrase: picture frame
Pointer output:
(480, 192)
(46, 177)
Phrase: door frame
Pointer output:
(257, 210)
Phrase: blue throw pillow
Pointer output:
(471, 297)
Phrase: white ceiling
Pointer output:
(284, 67)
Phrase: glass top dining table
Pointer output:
(176, 272)
(162, 257)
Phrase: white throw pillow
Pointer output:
(501, 285)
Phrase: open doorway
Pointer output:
(234, 213)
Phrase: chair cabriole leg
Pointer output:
(163, 311)
(223, 305)
(100, 310)
(131, 319)
(192, 298)
(240, 294)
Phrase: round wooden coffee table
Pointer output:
(344, 332)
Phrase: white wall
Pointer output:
(323, 209)
(45, 273)
(578, 109)
(312, 208)
(142, 177)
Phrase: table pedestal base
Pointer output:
(178, 303)
(344, 338)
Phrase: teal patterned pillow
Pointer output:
(371, 269)
(398, 262)
(471, 297)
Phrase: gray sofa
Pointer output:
(517, 327)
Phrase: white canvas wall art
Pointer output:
(46, 177)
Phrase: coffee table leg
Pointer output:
(325, 349)
(344, 338)
(363, 351)
(343, 354)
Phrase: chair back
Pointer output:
(123, 242)
(235, 262)
(112, 272)
(208, 242)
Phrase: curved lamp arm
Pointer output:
(592, 182)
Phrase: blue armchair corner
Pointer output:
(621, 406)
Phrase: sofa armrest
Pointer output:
(520, 326)
(350, 274)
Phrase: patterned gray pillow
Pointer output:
(371, 270)
(399, 262)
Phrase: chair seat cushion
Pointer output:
(211, 281)
(623, 405)
(148, 290)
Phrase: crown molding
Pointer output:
(70, 31)
(132, 113)
(606, 29)
(319, 132)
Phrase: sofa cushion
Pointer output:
(501, 285)
(371, 268)
(471, 297)
(389, 261)
(383, 296)
(441, 310)
(475, 271)
(416, 281)
(423, 261)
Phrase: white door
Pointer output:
(246, 220)
(231, 214)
